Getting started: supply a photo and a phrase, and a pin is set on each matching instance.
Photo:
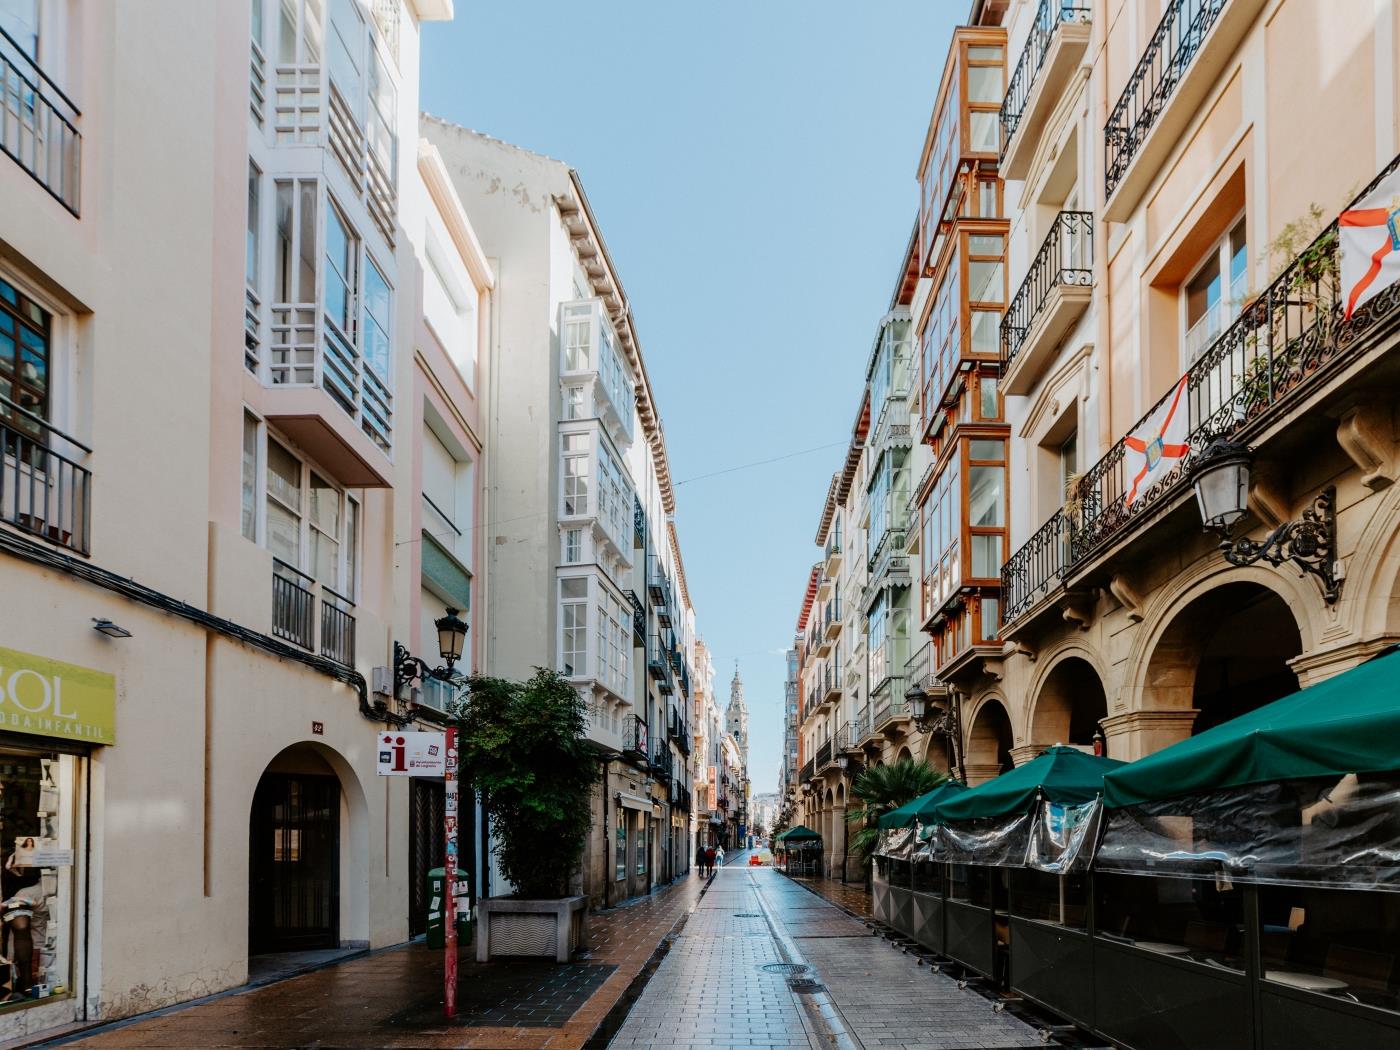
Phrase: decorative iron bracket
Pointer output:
(1310, 543)
(409, 669)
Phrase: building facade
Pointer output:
(223, 717)
(584, 565)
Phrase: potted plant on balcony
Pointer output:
(522, 745)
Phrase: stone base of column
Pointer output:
(1136, 734)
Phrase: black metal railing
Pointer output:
(833, 541)
(639, 618)
(42, 491)
(824, 755)
(293, 605)
(39, 124)
(1163, 66)
(1066, 257)
(807, 771)
(1282, 344)
(1047, 19)
(634, 737)
(639, 524)
(658, 584)
(337, 628)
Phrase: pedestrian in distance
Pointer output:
(719, 856)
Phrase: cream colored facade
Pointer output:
(582, 555)
(1125, 618)
(251, 543)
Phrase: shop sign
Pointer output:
(412, 754)
(46, 697)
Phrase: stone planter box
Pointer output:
(509, 926)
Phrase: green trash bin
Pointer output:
(436, 928)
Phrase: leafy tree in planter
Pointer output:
(522, 744)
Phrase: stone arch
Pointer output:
(1372, 587)
(1221, 648)
(936, 752)
(1069, 703)
(989, 741)
(306, 769)
(904, 753)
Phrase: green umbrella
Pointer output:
(1348, 724)
(1061, 774)
(905, 815)
(801, 833)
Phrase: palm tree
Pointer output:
(880, 789)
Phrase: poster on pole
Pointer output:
(412, 755)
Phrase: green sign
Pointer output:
(46, 697)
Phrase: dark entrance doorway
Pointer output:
(427, 847)
(294, 864)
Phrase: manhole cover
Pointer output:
(747, 915)
(789, 968)
(803, 986)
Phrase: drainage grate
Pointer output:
(788, 968)
(747, 915)
(803, 986)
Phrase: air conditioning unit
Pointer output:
(382, 681)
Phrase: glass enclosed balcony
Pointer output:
(591, 364)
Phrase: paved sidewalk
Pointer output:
(394, 998)
(712, 991)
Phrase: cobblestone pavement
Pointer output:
(394, 998)
(852, 896)
(711, 990)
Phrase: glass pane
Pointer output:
(306, 278)
(283, 534)
(250, 263)
(376, 335)
(283, 477)
(325, 558)
(340, 281)
(352, 547)
(984, 282)
(985, 495)
(574, 587)
(984, 84)
(986, 555)
(984, 244)
(346, 51)
(250, 478)
(282, 293)
(985, 132)
(987, 387)
(986, 333)
(287, 33)
(986, 448)
(1183, 918)
(984, 53)
(325, 506)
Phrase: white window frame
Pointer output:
(582, 668)
(350, 558)
(1221, 253)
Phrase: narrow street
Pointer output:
(765, 962)
(754, 960)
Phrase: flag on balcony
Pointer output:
(1369, 244)
(1158, 444)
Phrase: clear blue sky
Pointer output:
(751, 163)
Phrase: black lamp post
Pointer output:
(1221, 481)
(452, 637)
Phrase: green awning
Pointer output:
(1061, 774)
(1348, 724)
(949, 789)
(905, 815)
(801, 833)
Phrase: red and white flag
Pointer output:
(1369, 244)
(1158, 444)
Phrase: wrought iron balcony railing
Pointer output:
(1282, 344)
(39, 125)
(1163, 65)
(42, 491)
(807, 771)
(634, 738)
(1048, 18)
(337, 627)
(823, 756)
(639, 618)
(293, 605)
(639, 523)
(1066, 257)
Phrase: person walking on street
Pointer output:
(719, 857)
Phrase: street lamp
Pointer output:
(1221, 481)
(918, 704)
(937, 715)
(452, 637)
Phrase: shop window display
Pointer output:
(36, 881)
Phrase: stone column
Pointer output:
(1136, 734)
(1027, 752)
(980, 772)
